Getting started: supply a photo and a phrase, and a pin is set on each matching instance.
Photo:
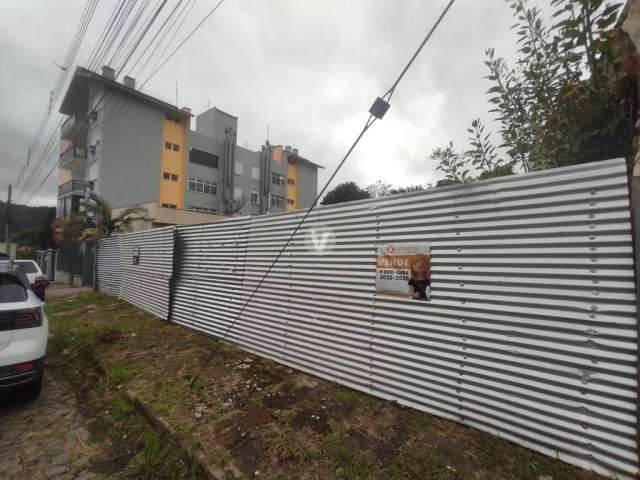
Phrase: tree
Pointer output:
(453, 164)
(566, 101)
(97, 205)
(408, 189)
(379, 189)
(345, 192)
(483, 154)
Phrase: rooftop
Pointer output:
(76, 97)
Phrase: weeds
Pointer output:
(258, 415)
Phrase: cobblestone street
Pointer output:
(46, 438)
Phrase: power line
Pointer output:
(83, 24)
(153, 39)
(131, 53)
(103, 36)
(197, 27)
(188, 7)
(142, 35)
(52, 139)
(138, 15)
(110, 33)
(376, 112)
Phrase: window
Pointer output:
(172, 146)
(211, 211)
(290, 201)
(255, 173)
(170, 176)
(202, 185)
(291, 181)
(239, 167)
(28, 266)
(277, 201)
(203, 158)
(11, 290)
(169, 205)
(277, 179)
(255, 198)
(173, 118)
(237, 193)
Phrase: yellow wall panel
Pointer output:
(173, 162)
(292, 190)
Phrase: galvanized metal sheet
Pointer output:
(146, 262)
(531, 333)
(109, 273)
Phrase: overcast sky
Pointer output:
(308, 69)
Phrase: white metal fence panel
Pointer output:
(210, 271)
(109, 273)
(147, 269)
(531, 333)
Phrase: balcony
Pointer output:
(74, 127)
(72, 187)
(74, 154)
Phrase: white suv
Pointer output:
(24, 330)
(36, 278)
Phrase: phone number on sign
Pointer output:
(399, 275)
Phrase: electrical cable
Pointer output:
(153, 39)
(374, 114)
(93, 56)
(123, 109)
(136, 18)
(83, 24)
(142, 35)
(131, 53)
(47, 150)
(184, 41)
(188, 7)
(112, 30)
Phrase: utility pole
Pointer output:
(7, 223)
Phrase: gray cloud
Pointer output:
(310, 70)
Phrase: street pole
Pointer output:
(7, 222)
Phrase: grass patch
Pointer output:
(253, 414)
(357, 399)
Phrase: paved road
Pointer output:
(44, 439)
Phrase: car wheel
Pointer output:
(32, 391)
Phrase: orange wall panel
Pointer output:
(173, 162)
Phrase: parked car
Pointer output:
(24, 330)
(37, 279)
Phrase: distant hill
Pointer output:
(24, 217)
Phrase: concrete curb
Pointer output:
(165, 429)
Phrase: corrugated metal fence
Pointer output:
(138, 267)
(531, 333)
(109, 258)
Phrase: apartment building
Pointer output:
(134, 149)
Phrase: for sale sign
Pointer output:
(404, 269)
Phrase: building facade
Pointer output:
(134, 149)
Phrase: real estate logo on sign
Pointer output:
(404, 269)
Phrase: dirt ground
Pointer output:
(258, 419)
